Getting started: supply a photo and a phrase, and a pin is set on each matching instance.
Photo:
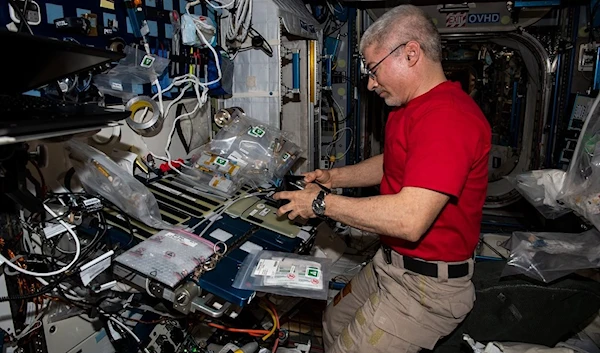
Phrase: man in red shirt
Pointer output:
(433, 176)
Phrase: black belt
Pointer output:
(426, 268)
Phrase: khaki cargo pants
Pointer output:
(387, 308)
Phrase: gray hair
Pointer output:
(402, 24)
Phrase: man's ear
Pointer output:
(412, 52)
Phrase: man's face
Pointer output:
(387, 77)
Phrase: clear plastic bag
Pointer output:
(541, 188)
(167, 256)
(549, 256)
(285, 158)
(137, 68)
(263, 151)
(101, 175)
(581, 189)
(285, 274)
(213, 182)
(58, 311)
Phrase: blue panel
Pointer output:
(34, 93)
(54, 12)
(168, 31)
(100, 335)
(151, 3)
(537, 3)
(168, 5)
(138, 89)
(81, 12)
(219, 280)
(182, 4)
(108, 16)
(129, 29)
(275, 241)
(238, 255)
(153, 27)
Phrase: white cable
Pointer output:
(339, 110)
(9, 272)
(36, 323)
(57, 272)
(73, 295)
(160, 101)
(148, 289)
(227, 205)
(221, 6)
(238, 22)
(210, 47)
(127, 329)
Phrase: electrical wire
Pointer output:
(239, 330)
(331, 145)
(98, 235)
(57, 272)
(216, 7)
(148, 288)
(239, 21)
(127, 329)
(197, 237)
(274, 328)
(34, 325)
(276, 316)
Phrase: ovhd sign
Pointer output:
(483, 18)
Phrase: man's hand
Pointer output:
(300, 204)
(322, 177)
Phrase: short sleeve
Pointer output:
(442, 147)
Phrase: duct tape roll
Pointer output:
(147, 127)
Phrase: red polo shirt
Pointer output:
(440, 141)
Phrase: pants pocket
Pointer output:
(397, 332)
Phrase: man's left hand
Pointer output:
(300, 204)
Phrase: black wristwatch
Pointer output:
(318, 204)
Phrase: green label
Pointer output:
(256, 132)
(312, 272)
(221, 161)
(147, 61)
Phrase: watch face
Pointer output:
(318, 205)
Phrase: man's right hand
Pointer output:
(321, 176)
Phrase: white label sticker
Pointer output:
(221, 235)
(181, 239)
(93, 271)
(116, 86)
(254, 211)
(264, 212)
(91, 202)
(266, 268)
(251, 248)
(286, 156)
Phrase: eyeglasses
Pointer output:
(371, 71)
